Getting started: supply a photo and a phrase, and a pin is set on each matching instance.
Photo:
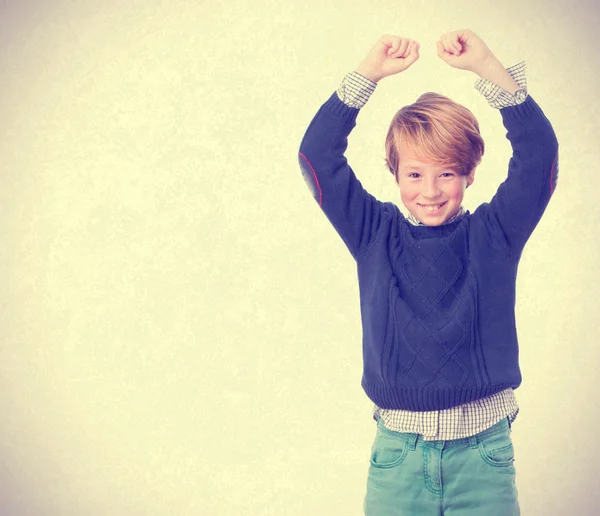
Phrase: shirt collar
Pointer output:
(458, 215)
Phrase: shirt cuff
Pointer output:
(355, 90)
(498, 97)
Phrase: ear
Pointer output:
(471, 178)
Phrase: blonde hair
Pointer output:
(435, 129)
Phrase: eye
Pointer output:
(448, 174)
(414, 175)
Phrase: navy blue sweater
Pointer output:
(437, 302)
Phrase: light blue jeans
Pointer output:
(474, 476)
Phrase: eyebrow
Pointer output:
(418, 167)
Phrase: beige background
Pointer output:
(180, 327)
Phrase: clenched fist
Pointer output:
(465, 50)
(390, 55)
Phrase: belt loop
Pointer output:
(412, 441)
(473, 441)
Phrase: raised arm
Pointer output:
(464, 50)
(521, 199)
(354, 213)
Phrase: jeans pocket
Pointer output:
(497, 450)
(389, 449)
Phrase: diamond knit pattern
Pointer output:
(428, 318)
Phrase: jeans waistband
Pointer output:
(415, 440)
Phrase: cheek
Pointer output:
(456, 191)
(408, 192)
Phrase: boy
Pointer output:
(437, 287)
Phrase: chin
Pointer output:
(445, 213)
(432, 221)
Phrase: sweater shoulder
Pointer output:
(485, 230)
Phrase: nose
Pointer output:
(430, 189)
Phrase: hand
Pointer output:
(389, 56)
(465, 50)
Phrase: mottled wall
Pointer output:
(179, 323)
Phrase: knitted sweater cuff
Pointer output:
(521, 111)
(338, 108)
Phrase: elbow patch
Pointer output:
(310, 177)
(554, 174)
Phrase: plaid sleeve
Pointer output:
(497, 97)
(355, 90)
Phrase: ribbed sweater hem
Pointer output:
(423, 400)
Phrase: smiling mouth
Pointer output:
(432, 208)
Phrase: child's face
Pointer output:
(432, 193)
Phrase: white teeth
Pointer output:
(432, 208)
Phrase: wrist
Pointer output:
(493, 70)
(488, 67)
(366, 72)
